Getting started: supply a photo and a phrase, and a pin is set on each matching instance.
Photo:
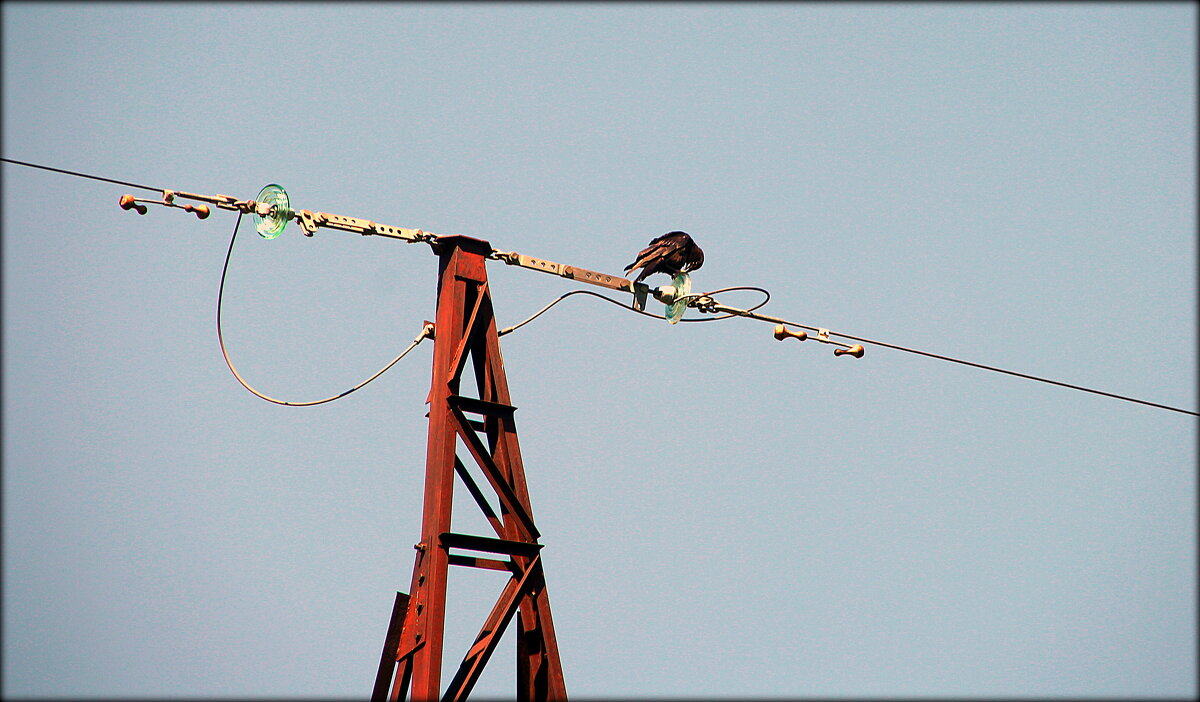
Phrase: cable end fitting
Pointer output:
(128, 202)
(782, 332)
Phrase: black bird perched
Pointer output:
(671, 253)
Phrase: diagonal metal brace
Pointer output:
(491, 632)
(498, 480)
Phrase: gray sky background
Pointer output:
(723, 515)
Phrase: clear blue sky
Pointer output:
(723, 515)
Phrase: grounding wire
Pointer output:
(426, 331)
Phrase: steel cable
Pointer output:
(427, 330)
(897, 347)
(80, 175)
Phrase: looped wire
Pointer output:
(622, 305)
(426, 332)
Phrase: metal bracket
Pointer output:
(308, 222)
(640, 290)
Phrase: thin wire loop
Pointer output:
(695, 296)
(426, 331)
(622, 305)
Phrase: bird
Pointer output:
(672, 253)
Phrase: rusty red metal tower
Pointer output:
(465, 332)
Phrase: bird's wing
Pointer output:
(671, 253)
(656, 251)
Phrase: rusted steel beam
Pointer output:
(484, 543)
(485, 563)
(484, 407)
(469, 337)
(391, 643)
(431, 571)
(539, 669)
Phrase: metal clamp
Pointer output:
(308, 222)
(704, 303)
(511, 258)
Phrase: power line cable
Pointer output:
(1008, 372)
(1026, 376)
(749, 313)
(80, 175)
(743, 313)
